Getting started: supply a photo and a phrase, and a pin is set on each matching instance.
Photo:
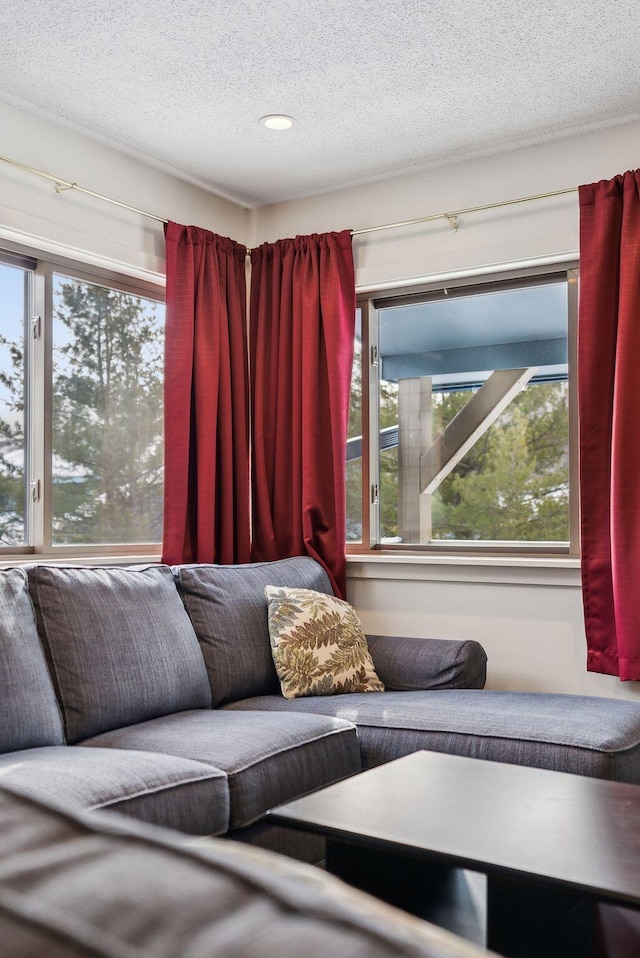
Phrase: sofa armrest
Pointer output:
(410, 664)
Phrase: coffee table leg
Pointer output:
(522, 920)
(436, 893)
(526, 921)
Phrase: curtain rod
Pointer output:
(451, 217)
(63, 185)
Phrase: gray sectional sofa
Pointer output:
(110, 680)
(151, 691)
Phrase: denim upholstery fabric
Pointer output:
(570, 733)
(187, 795)
(268, 757)
(228, 609)
(410, 664)
(120, 646)
(29, 713)
(100, 885)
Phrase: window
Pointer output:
(81, 419)
(354, 442)
(470, 433)
(15, 277)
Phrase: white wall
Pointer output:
(492, 239)
(528, 617)
(73, 224)
(528, 620)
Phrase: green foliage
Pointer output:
(388, 462)
(12, 492)
(107, 417)
(106, 420)
(354, 467)
(388, 458)
(512, 485)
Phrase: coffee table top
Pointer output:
(577, 833)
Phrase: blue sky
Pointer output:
(11, 300)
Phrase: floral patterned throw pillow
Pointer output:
(318, 645)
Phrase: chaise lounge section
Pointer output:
(586, 735)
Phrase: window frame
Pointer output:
(39, 399)
(370, 303)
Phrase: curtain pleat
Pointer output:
(302, 325)
(206, 500)
(609, 418)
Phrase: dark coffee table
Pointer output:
(552, 846)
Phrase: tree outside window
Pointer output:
(106, 414)
(473, 406)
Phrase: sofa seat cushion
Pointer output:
(268, 757)
(179, 793)
(228, 608)
(29, 713)
(88, 885)
(570, 733)
(120, 645)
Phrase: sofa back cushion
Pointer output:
(121, 648)
(229, 612)
(29, 713)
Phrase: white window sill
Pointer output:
(515, 570)
(561, 571)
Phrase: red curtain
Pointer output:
(609, 414)
(301, 341)
(206, 499)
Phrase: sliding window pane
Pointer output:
(107, 415)
(354, 442)
(474, 428)
(13, 309)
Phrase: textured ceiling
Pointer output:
(377, 87)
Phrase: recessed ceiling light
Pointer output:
(277, 121)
